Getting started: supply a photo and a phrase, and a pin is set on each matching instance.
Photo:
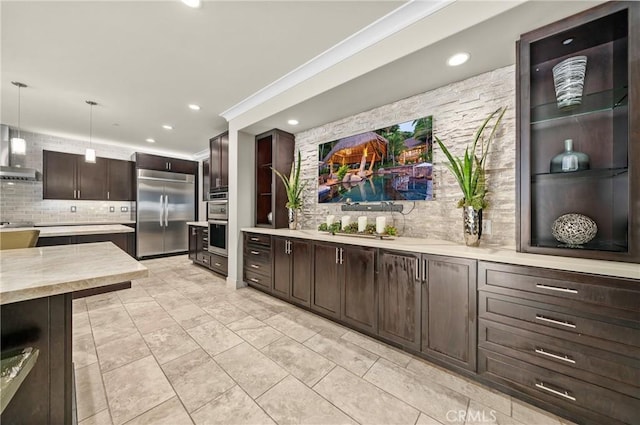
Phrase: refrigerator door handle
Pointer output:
(161, 209)
(166, 210)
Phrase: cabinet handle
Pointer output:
(253, 279)
(561, 393)
(424, 271)
(418, 269)
(255, 239)
(169, 166)
(107, 194)
(555, 322)
(74, 193)
(217, 264)
(253, 266)
(556, 288)
(337, 258)
(341, 252)
(78, 193)
(193, 231)
(255, 252)
(562, 357)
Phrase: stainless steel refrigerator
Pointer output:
(166, 201)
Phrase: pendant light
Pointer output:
(90, 153)
(18, 144)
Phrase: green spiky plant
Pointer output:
(469, 170)
(293, 185)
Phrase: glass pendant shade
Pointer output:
(18, 146)
(90, 155)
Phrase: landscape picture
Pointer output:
(388, 164)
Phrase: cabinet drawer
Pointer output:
(257, 254)
(561, 390)
(604, 291)
(258, 239)
(257, 280)
(550, 318)
(203, 258)
(218, 263)
(593, 365)
(257, 265)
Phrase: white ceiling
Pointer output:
(143, 62)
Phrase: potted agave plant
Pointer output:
(293, 187)
(469, 171)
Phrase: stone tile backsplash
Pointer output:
(458, 109)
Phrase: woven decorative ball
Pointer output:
(574, 229)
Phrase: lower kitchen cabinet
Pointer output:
(124, 241)
(198, 253)
(257, 261)
(326, 279)
(292, 270)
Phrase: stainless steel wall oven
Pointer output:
(218, 216)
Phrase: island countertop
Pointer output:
(94, 229)
(31, 273)
(506, 255)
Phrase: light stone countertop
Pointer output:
(97, 229)
(31, 273)
(198, 223)
(506, 255)
(82, 223)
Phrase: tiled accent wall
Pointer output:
(458, 110)
(22, 200)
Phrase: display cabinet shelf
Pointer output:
(579, 175)
(595, 102)
(594, 245)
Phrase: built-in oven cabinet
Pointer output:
(199, 251)
(218, 236)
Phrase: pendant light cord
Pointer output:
(19, 131)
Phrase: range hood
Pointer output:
(8, 171)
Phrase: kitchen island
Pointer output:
(36, 290)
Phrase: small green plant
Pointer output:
(390, 230)
(323, 227)
(351, 228)
(335, 227)
(342, 171)
(293, 186)
(370, 229)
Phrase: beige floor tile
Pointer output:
(80, 323)
(344, 353)
(251, 369)
(224, 312)
(101, 418)
(197, 379)
(135, 388)
(255, 309)
(96, 302)
(255, 332)
(84, 350)
(286, 323)
(431, 398)
(323, 326)
(79, 305)
(169, 343)
(484, 395)
(477, 414)
(108, 316)
(171, 299)
(427, 420)
(149, 316)
(378, 348)
(303, 363)
(107, 333)
(214, 337)
(171, 412)
(529, 414)
(189, 315)
(234, 407)
(363, 401)
(89, 391)
(134, 295)
(122, 351)
(292, 402)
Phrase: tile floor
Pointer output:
(179, 348)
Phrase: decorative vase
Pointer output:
(574, 229)
(472, 225)
(568, 78)
(293, 218)
(569, 160)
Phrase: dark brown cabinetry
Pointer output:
(206, 179)
(274, 150)
(344, 284)
(163, 163)
(257, 269)
(292, 270)
(568, 341)
(219, 162)
(68, 176)
(199, 254)
(604, 125)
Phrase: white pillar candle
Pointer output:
(330, 219)
(362, 223)
(381, 222)
(346, 220)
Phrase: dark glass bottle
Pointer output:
(569, 160)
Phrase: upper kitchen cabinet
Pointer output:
(274, 150)
(163, 163)
(68, 176)
(206, 178)
(579, 160)
(219, 163)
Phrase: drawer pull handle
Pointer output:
(556, 322)
(253, 279)
(255, 239)
(557, 288)
(564, 394)
(255, 252)
(253, 266)
(217, 264)
(563, 358)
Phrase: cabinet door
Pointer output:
(152, 162)
(92, 179)
(359, 298)
(326, 282)
(301, 272)
(121, 180)
(449, 310)
(224, 160)
(193, 240)
(206, 179)
(214, 166)
(183, 166)
(58, 175)
(281, 267)
(399, 294)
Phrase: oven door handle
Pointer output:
(218, 222)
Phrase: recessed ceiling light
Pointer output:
(194, 107)
(567, 41)
(192, 3)
(292, 122)
(458, 59)
(150, 140)
(167, 127)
